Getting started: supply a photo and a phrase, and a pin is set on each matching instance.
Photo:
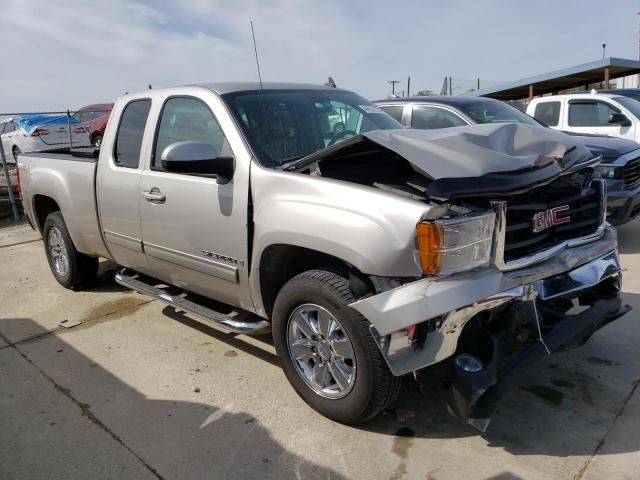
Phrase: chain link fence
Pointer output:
(59, 131)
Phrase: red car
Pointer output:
(94, 118)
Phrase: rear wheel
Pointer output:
(326, 350)
(71, 268)
(16, 151)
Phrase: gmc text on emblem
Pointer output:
(550, 217)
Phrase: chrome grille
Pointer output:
(585, 213)
(632, 173)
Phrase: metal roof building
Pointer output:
(579, 76)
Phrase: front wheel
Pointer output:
(326, 350)
(16, 151)
(71, 268)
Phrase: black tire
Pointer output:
(81, 270)
(374, 387)
(97, 141)
(16, 151)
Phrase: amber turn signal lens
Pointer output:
(430, 245)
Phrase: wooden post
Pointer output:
(530, 92)
(606, 78)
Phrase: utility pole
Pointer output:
(393, 85)
(408, 86)
(604, 49)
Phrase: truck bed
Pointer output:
(68, 180)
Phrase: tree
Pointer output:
(425, 93)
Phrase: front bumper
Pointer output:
(508, 320)
(442, 307)
(623, 205)
(473, 396)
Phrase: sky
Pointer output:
(65, 54)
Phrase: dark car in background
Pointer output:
(620, 158)
(94, 118)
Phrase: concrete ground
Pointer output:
(138, 391)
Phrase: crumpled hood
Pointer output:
(477, 150)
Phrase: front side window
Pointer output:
(590, 113)
(186, 119)
(285, 125)
(428, 118)
(130, 131)
(548, 113)
(394, 110)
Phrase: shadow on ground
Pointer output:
(104, 281)
(177, 439)
(628, 237)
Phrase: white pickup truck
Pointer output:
(368, 250)
(592, 113)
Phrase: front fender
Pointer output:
(370, 229)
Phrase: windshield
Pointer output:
(285, 125)
(635, 96)
(496, 112)
(630, 104)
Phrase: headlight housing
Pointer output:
(606, 171)
(456, 244)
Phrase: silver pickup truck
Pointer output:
(368, 250)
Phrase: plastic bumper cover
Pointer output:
(443, 307)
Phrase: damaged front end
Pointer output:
(497, 347)
(490, 343)
(517, 264)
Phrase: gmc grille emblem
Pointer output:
(550, 217)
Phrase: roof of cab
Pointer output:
(440, 99)
(574, 96)
(222, 88)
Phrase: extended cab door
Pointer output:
(194, 229)
(118, 185)
(592, 117)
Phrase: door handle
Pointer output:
(154, 196)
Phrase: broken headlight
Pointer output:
(606, 171)
(457, 244)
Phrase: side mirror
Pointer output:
(619, 119)
(197, 158)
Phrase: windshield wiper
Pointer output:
(290, 162)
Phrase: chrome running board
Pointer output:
(135, 281)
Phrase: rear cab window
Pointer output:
(394, 111)
(427, 117)
(548, 113)
(126, 152)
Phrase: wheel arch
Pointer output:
(280, 262)
(43, 206)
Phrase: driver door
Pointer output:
(194, 230)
